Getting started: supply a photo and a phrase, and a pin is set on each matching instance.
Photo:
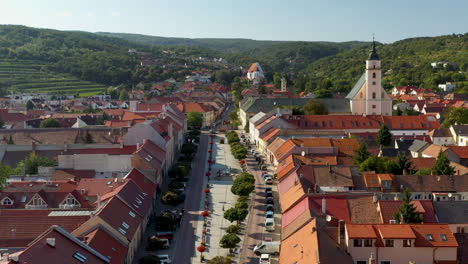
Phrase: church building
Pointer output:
(368, 96)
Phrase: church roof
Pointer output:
(373, 55)
(357, 87)
(255, 67)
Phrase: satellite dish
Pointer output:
(303, 153)
(328, 218)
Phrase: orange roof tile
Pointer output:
(360, 231)
(302, 246)
(461, 151)
(436, 230)
(394, 231)
(292, 196)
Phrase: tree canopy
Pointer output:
(194, 119)
(442, 166)
(33, 162)
(407, 211)
(384, 136)
(49, 123)
(314, 107)
(361, 154)
(453, 116)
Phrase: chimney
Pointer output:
(341, 233)
(324, 205)
(374, 198)
(405, 172)
(51, 241)
(121, 144)
(402, 219)
(98, 200)
(138, 145)
(371, 258)
(329, 168)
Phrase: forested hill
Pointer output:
(85, 55)
(405, 62)
(274, 56)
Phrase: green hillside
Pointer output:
(405, 62)
(274, 56)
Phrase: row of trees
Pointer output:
(237, 149)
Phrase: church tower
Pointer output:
(368, 96)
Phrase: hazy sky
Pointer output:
(312, 20)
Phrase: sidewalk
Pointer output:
(221, 199)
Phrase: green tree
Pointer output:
(49, 123)
(171, 198)
(361, 154)
(236, 214)
(242, 188)
(314, 107)
(229, 241)
(233, 229)
(87, 139)
(233, 116)
(194, 119)
(379, 165)
(442, 166)
(407, 211)
(150, 259)
(123, 95)
(455, 116)
(384, 136)
(29, 105)
(219, 260)
(33, 162)
(402, 164)
(323, 93)
(5, 172)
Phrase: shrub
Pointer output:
(154, 243)
(221, 141)
(175, 185)
(233, 229)
(171, 198)
(243, 205)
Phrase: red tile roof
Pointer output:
(436, 230)
(461, 151)
(424, 207)
(123, 150)
(361, 231)
(115, 213)
(17, 230)
(395, 231)
(144, 183)
(66, 246)
(106, 244)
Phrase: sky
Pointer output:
(307, 20)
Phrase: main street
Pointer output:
(186, 236)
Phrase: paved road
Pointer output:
(186, 236)
(255, 223)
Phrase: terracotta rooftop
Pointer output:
(105, 243)
(395, 231)
(389, 208)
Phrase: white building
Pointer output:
(447, 87)
(255, 73)
(368, 96)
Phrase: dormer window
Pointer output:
(36, 203)
(70, 202)
(443, 237)
(7, 201)
(429, 237)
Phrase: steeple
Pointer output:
(373, 55)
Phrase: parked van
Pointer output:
(270, 247)
(269, 224)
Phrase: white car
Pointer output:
(164, 259)
(269, 224)
(268, 180)
(264, 259)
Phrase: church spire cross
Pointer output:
(373, 55)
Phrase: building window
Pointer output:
(357, 242)
(373, 106)
(361, 262)
(389, 242)
(373, 95)
(406, 243)
(373, 83)
(443, 237)
(460, 230)
(429, 237)
(373, 75)
(7, 201)
(367, 242)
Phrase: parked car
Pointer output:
(268, 189)
(252, 151)
(264, 259)
(269, 194)
(267, 247)
(269, 224)
(269, 214)
(269, 207)
(165, 234)
(164, 259)
(266, 175)
(268, 180)
(270, 200)
(264, 167)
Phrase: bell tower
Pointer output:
(374, 91)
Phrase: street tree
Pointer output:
(171, 198)
(361, 154)
(442, 166)
(313, 107)
(229, 241)
(236, 214)
(407, 211)
(242, 188)
(150, 259)
(194, 119)
(384, 136)
(219, 260)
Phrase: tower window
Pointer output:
(360, 95)
(373, 83)
(373, 74)
(374, 66)
(373, 95)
